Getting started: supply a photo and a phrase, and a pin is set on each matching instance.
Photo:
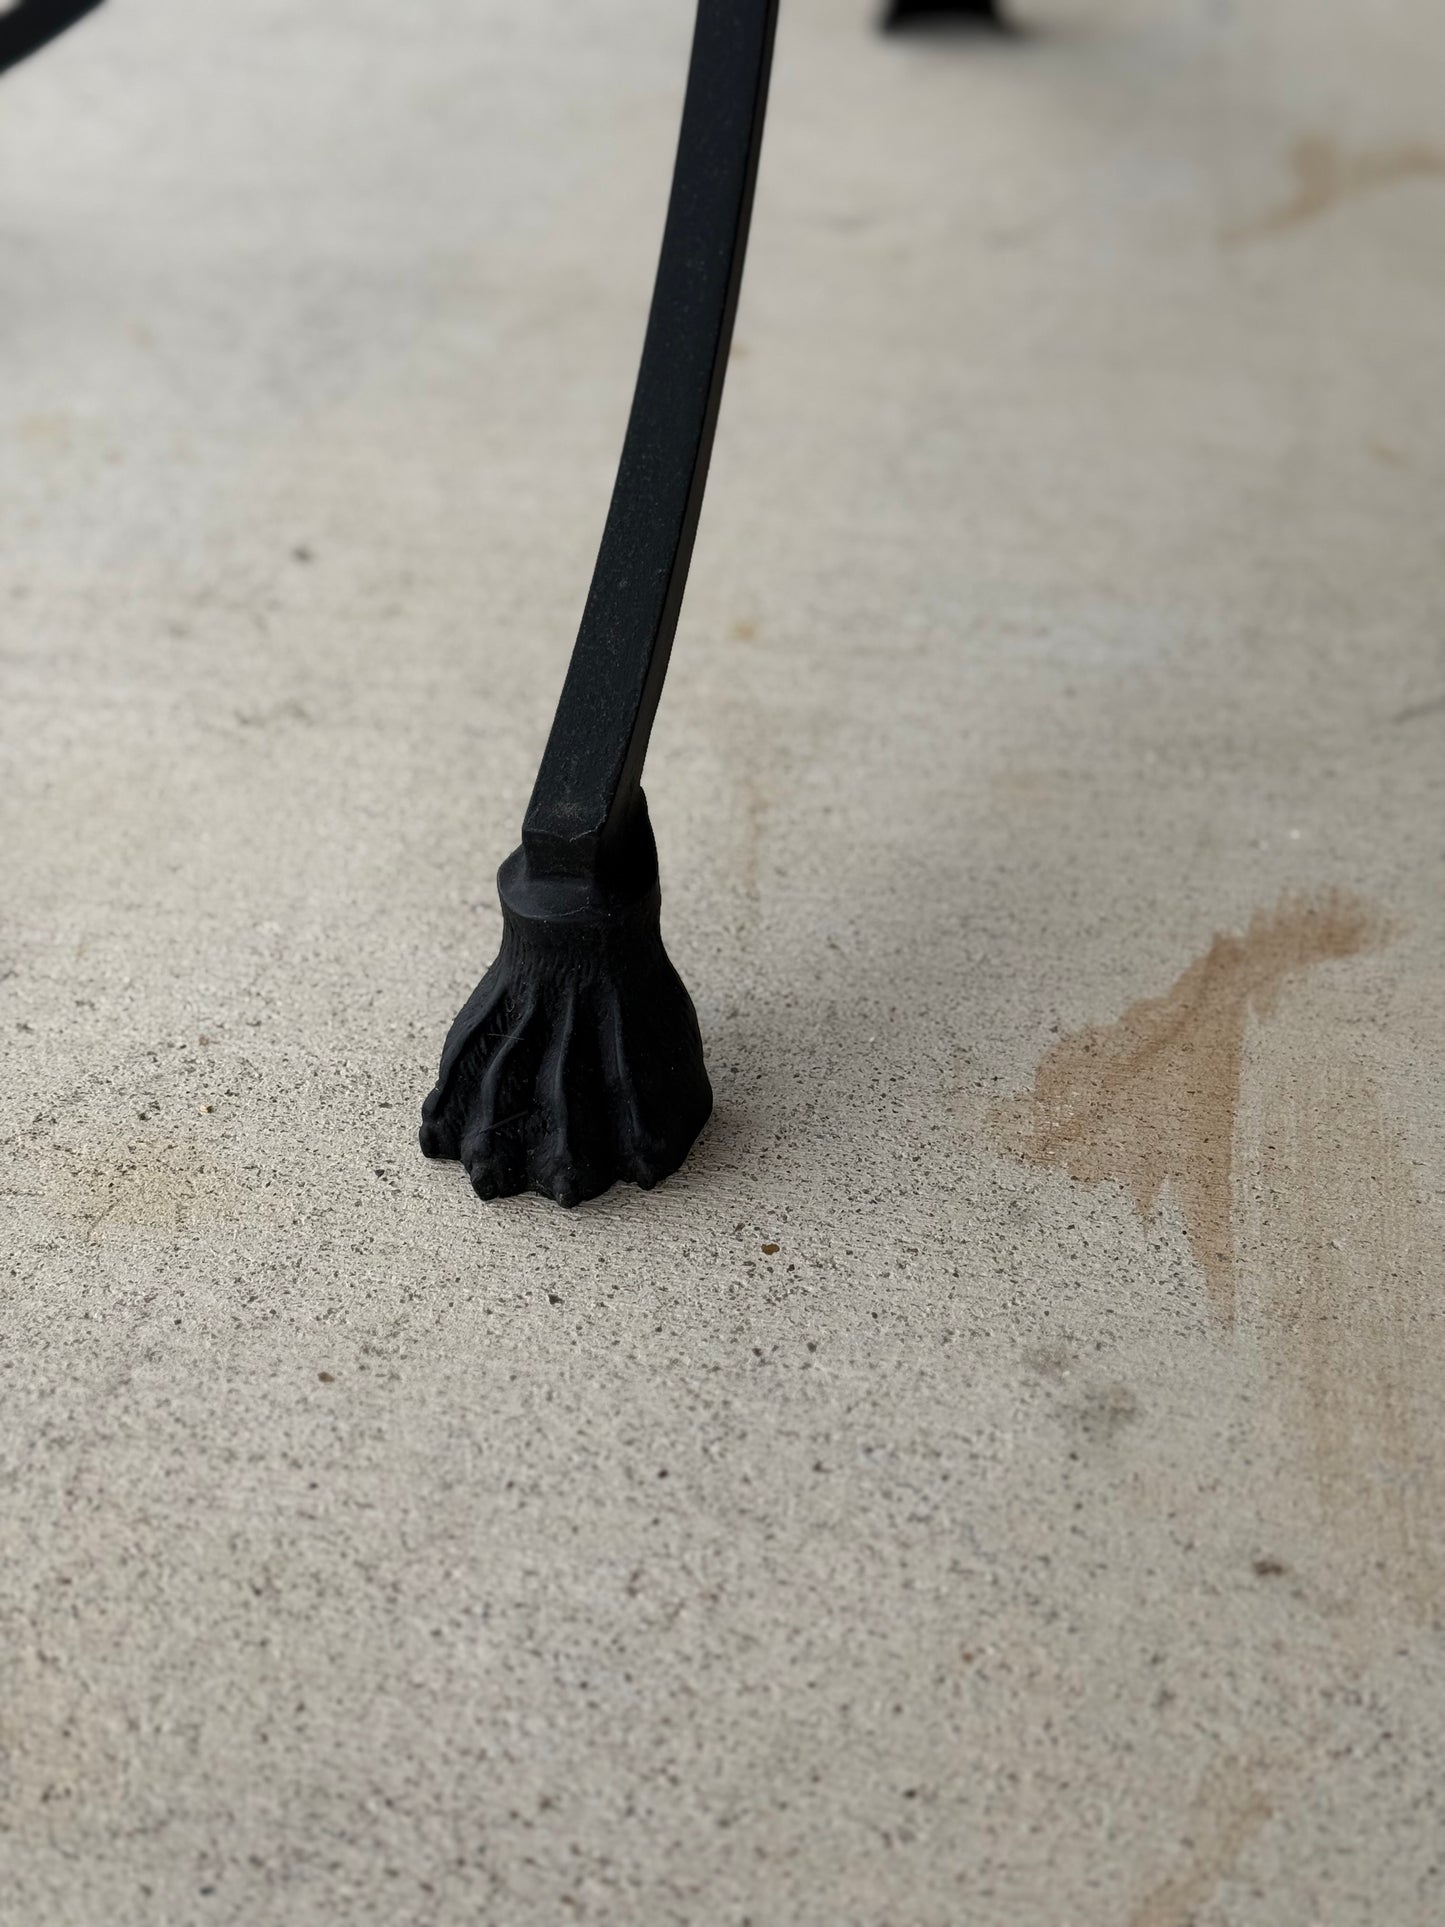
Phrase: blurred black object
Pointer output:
(27, 27)
(979, 13)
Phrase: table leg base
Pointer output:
(577, 1062)
(986, 14)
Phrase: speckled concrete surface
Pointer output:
(1049, 1531)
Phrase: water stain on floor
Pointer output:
(1303, 1209)
(1229, 1809)
(1344, 1274)
(1325, 175)
(1150, 1101)
(164, 1184)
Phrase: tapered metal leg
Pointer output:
(26, 28)
(577, 1061)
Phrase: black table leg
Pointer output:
(25, 29)
(577, 1060)
(982, 13)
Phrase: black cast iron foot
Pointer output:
(576, 1063)
(972, 13)
(577, 1060)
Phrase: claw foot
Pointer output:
(576, 1062)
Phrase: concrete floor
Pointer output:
(1050, 1530)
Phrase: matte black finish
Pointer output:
(982, 13)
(577, 1060)
(26, 28)
(593, 760)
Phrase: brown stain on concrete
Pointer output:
(756, 758)
(1347, 1280)
(1229, 1809)
(50, 432)
(1324, 175)
(163, 1184)
(1150, 1101)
